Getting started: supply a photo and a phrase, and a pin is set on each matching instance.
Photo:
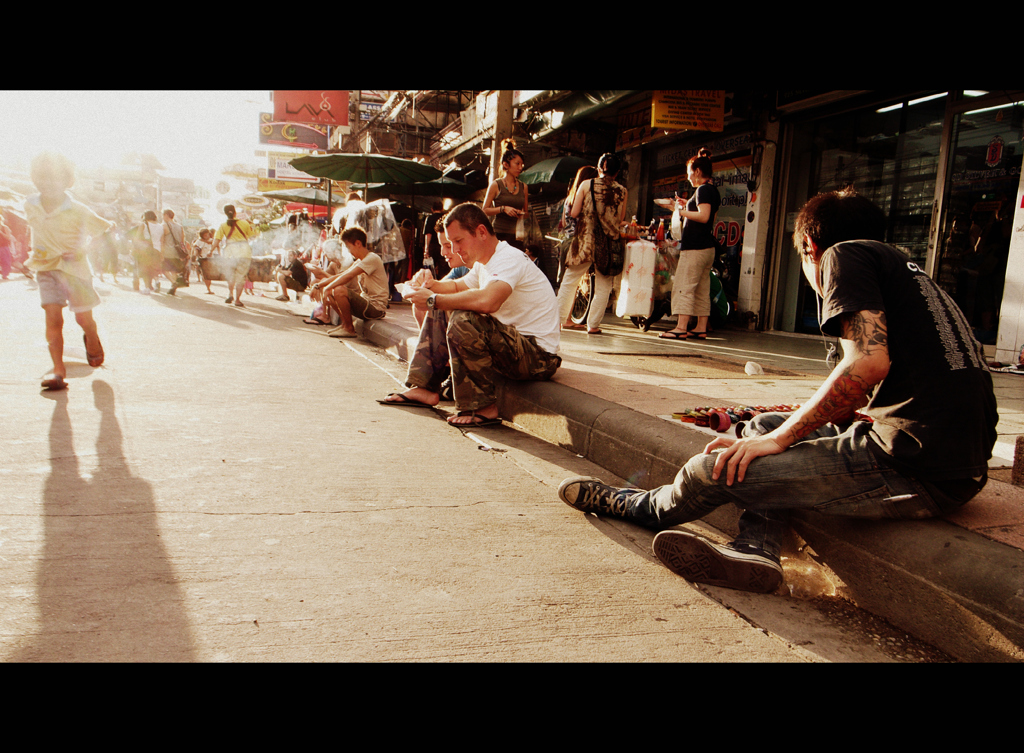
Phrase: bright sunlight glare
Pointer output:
(193, 134)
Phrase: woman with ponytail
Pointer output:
(506, 200)
(691, 286)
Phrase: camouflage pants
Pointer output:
(475, 348)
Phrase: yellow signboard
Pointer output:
(689, 109)
(269, 184)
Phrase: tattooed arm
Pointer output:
(865, 363)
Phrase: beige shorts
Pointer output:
(60, 288)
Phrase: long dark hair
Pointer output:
(584, 174)
(229, 210)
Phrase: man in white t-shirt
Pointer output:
(500, 319)
(367, 301)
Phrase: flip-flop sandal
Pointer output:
(573, 326)
(53, 383)
(673, 335)
(697, 335)
(477, 420)
(313, 321)
(94, 360)
(404, 401)
(593, 332)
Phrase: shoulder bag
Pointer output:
(609, 253)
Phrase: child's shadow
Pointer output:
(105, 588)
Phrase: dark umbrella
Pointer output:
(554, 170)
(365, 168)
(301, 196)
(443, 187)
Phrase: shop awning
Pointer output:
(575, 107)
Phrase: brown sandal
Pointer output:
(94, 360)
(54, 382)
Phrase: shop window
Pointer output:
(984, 174)
(889, 155)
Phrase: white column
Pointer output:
(1011, 312)
(756, 242)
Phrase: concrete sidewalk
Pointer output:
(957, 583)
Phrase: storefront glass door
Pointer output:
(888, 153)
(984, 172)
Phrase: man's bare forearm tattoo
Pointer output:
(849, 391)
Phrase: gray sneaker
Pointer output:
(701, 561)
(588, 494)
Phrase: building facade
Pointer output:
(944, 165)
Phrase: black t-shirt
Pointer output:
(299, 273)
(935, 413)
(434, 244)
(700, 235)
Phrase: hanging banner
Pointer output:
(292, 134)
(688, 109)
(323, 107)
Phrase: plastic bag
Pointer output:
(383, 234)
(528, 231)
(677, 224)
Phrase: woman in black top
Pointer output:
(691, 286)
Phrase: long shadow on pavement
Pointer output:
(105, 588)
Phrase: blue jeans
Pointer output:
(829, 472)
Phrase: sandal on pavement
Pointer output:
(477, 420)
(697, 335)
(673, 335)
(94, 360)
(573, 326)
(53, 382)
(593, 331)
(402, 400)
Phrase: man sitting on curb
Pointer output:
(369, 300)
(908, 355)
(501, 318)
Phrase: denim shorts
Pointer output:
(60, 288)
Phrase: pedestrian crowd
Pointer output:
(910, 363)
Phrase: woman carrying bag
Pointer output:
(691, 285)
(599, 207)
(507, 199)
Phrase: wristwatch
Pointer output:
(430, 301)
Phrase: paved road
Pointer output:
(226, 488)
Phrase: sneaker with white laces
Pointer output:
(744, 568)
(588, 494)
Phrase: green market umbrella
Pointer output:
(442, 187)
(554, 170)
(365, 168)
(314, 196)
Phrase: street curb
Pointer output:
(944, 584)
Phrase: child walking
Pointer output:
(61, 228)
